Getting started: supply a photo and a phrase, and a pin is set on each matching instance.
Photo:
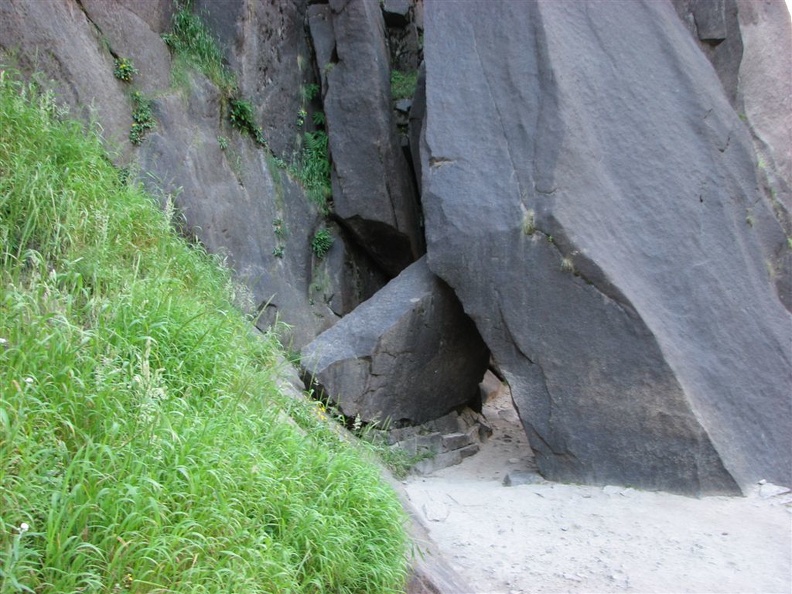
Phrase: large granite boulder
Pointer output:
(715, 27)
(591, 196)
(407, 355)
(766, 91)
(373, 191)
(749, 43)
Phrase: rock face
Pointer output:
(714, 26)
(237, 203)
(766, 94)
(409, 354)
(750, 52)
(266, 45)
(373, 193)
(59, 40)
(228, 193)
(592, 198)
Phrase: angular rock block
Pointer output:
(592, 198)
(409, 354)
(373, 193)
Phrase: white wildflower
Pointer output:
(24, 527)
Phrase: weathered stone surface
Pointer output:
(416, 126)
(592, 221)
(516, 478)
(130, 36)
(157, 14)
(445, 459)
(715, 28)
(754, 63)
(266, 47)
(236, 205)
(373, 192)
(765, 91)
(409, 354)
(402, 35)
(710, 16)
(58, 40)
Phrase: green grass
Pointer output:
(143, 441)
(192, 43)
(313, 169)
(403, 84)
(242, 118)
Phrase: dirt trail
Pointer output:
(549, 537)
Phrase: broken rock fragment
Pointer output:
(407, 355)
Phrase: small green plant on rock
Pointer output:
(242, 118)
(124, 70)
(403, 84)
(322, 242)
(319, 119)
(278, 251)
(310, 92)
(280, 229)
(142, 116)
(223, 142)
(529, 223)
(314, 168)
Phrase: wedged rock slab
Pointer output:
(373, 191)
(591, 197)
(407, 355)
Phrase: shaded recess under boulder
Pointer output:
(407, 355)
(606, 232)
(373, 191)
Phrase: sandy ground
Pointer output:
(549, 537)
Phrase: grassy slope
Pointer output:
(142, 442)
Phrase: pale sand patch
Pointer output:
(549, 537)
